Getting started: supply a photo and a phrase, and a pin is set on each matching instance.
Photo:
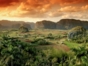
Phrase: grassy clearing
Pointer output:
(72, 44)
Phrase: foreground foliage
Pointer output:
(14, 52)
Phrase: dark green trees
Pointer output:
(77, 33)
(11, 52)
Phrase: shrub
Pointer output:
(40, 42)
(50, 36)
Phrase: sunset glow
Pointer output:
(35, 10)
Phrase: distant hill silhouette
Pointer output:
(44, 24)
(62, 24)
(6, 24)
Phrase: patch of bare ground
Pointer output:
(59, 47)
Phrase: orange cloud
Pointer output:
(85, 7)
(69, 9)
(68, 2)
(5, 3)
(42, 8)
(38, 3)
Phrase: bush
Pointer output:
(50, 36)
(40, 42)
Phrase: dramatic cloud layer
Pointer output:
(44, 8)
(5, 3)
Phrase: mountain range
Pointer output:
(44, 24)
(62, 24)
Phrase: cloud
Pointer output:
(69, 9)
(68, 2)
(85, 7)
(43, 8)
(5, 3)
(75, 15)
(31, 9)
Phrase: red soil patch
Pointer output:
(29, 41)
(58, 47)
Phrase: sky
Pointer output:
(36, 10)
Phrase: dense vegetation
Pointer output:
(42, 48)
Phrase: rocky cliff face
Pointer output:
(62, 24)
(70, 23)
(46, 24)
